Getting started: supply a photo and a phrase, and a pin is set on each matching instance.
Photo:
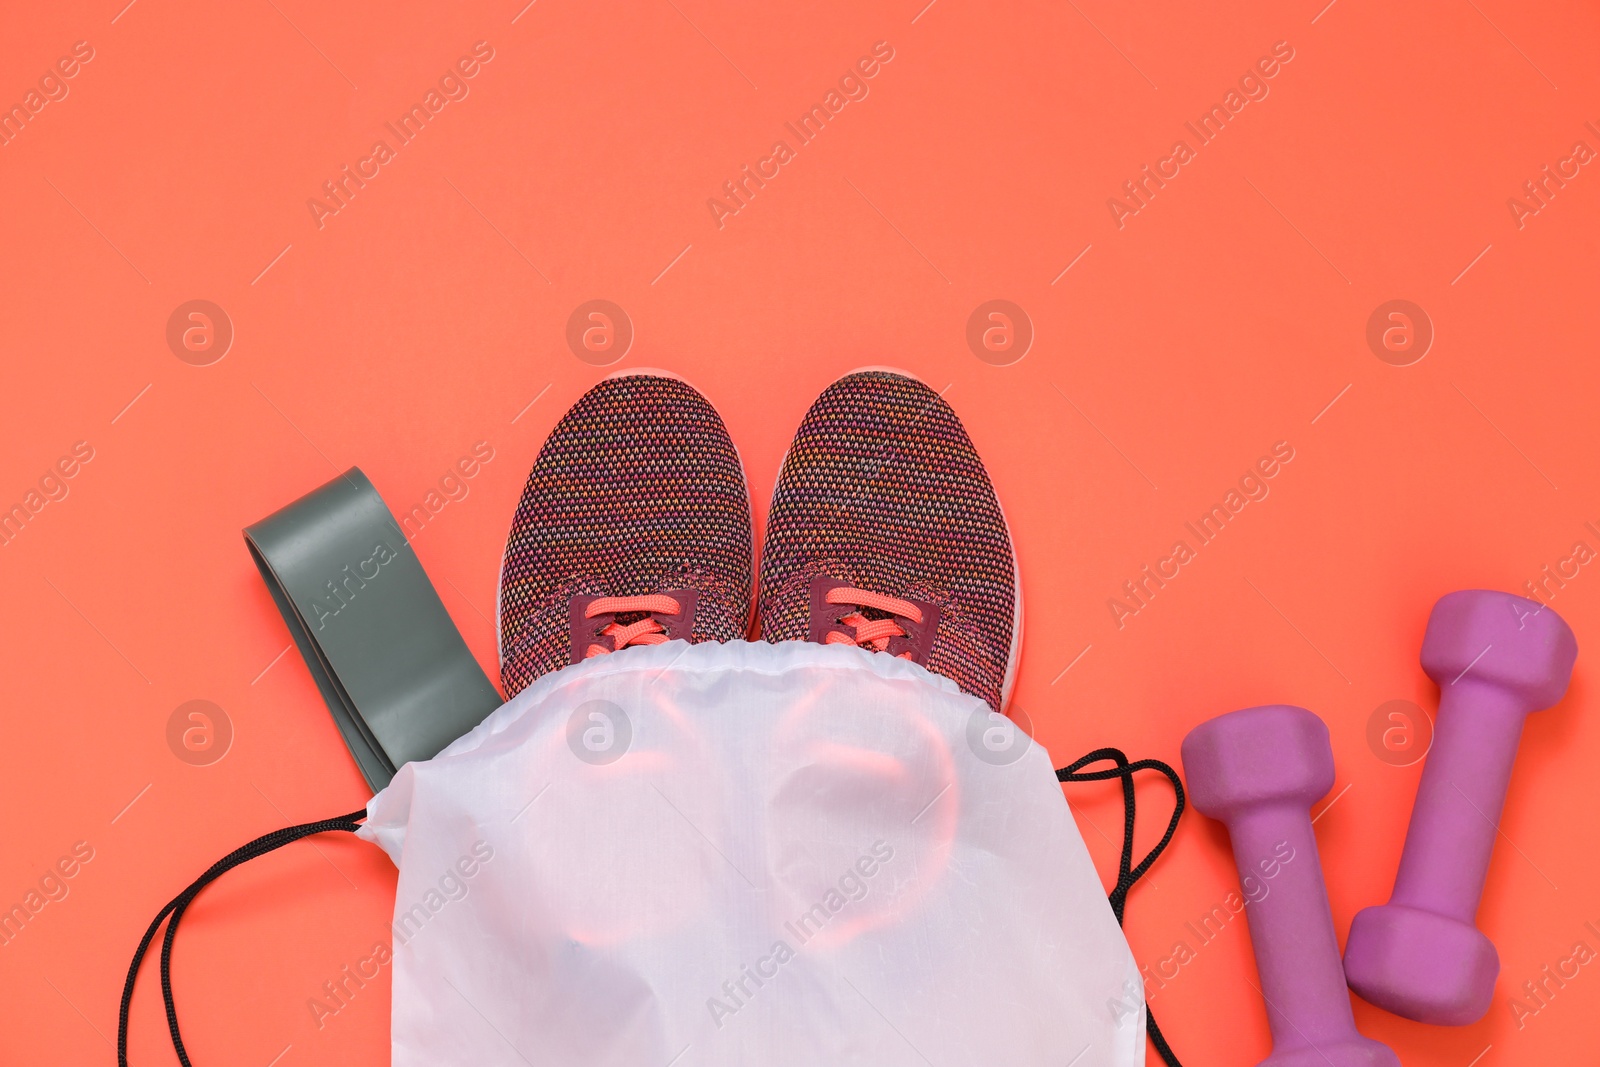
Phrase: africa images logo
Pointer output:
(852, 86)
(852, 887)
(52, 89)
(1253, 86)
(452, 86)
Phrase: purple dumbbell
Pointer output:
(1496, 658)
(1260, 770)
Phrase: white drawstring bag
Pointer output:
(779, 854)
(791, 854)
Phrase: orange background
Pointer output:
(431, 310)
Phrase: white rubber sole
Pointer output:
(649, 372)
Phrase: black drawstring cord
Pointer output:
(1127, 872)
(180, 904)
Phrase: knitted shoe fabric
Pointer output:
(634, 528)
(885, 533)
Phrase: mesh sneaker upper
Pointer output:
(883, 490)
(638, 490)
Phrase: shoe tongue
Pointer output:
(918, 638)
(586, 631)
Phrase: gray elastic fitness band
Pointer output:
(391, 665)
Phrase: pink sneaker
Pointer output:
(634, 529)
(885, 533)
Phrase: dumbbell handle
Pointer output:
(1463, 788)
(1291, 928)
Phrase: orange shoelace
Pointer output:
(646, 631)
(871, 633)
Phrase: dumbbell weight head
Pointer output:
(1512, 643)
(1421, 965)
(1239, 761)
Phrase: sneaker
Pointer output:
(885, 533)
(634, 529)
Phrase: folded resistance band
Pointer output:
(391, 665)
